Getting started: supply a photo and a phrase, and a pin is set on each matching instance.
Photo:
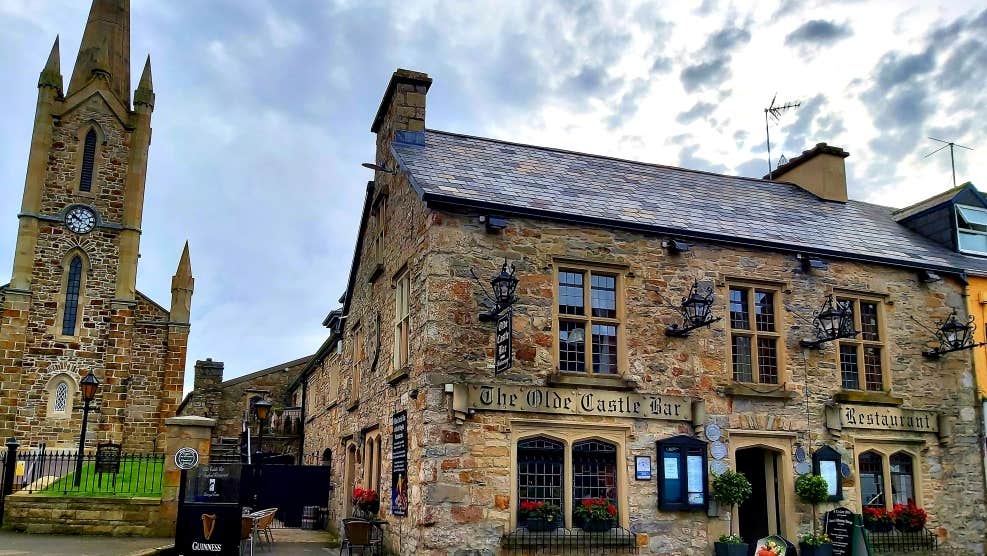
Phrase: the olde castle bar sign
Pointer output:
(886, 418)
(570, 401)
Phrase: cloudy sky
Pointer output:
(264, 107)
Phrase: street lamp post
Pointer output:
(89, 386)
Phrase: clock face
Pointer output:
(80, 220)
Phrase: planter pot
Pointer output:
(731, 549)
(824, 550)
(879, 526)
(597, 526)
(540, 524)
(904, 528)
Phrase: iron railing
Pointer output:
(898, 542)
(53, 473)
(570, 541)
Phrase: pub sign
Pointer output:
(503, 351)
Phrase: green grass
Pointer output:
(136, 478)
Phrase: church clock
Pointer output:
(80, 220)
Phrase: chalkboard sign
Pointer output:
(839, 527)
(399, 464)
(846, 533)
(108, 458)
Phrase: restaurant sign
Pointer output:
(884, 418)
(571, 401)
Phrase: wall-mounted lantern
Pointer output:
(833, 321)
(696, 310)
(953, 335)
(503, 287)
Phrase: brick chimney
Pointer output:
(820, 170)
(402, 108)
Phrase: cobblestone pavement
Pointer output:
(22, 544)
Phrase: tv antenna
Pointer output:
(774, 112)
(952, 158)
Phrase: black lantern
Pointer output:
(89, 384)
(696, 310)
(833, 321)
(503, 292)
(953, 335)
(504, 285)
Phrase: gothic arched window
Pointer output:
(72, 292)
(88, 161)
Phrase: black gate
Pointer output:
(289, 488)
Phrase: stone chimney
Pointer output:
(820, 170)
(207, 392)
(402, 108)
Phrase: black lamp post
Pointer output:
(89, 385)
(262, 409)
(953, 335)
(833, 321)
(696, 310)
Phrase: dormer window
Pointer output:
(971, 229)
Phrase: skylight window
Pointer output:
(971, 229)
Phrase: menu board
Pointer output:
(399, 464)
(839, 527)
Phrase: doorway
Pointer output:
(349, 479)
(760, 515)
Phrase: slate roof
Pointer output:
(493, 175)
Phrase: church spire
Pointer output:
(51, 75)
(182, 285)
(145, 88)
(105, 49)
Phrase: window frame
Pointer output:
(587, 320)
(401, 348)
(357, 355)
(752, 288)
(569, 434)
(372, 461)
(51, 388)
(826, 453)
(860, 344)
(82, 134)
(56, 329)
(959, 230)
(683, 443)
(884, 451)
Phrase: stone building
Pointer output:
(603, 399)
(72, 307)
(230, 403)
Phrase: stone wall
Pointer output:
(125, 517)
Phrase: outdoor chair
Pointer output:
(265, 522)
(247, 534)
(360, 534)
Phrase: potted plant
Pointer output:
(812, 489)
(366, 501)
(731, 489)
(596, 514)
(878, 520)
(909, 518)
(538, 515)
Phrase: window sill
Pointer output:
(605, 382)
(397, 375)
(375, 273)
(863, 396)
(756, 390)
(352, 405)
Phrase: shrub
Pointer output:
(814, 539)
(730, 539)
(812, 489)
(731, 488)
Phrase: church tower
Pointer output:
(72, 306)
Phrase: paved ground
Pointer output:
(23, 544)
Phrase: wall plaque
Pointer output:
(887, 418)
(571, 401)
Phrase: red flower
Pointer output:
(612, 510)
(588, 502)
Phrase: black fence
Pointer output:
(898, 542)
(102, 474)
(570, 541)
